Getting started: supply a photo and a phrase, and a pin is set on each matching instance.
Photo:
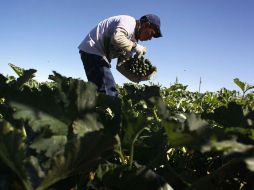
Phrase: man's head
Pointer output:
(149, 27)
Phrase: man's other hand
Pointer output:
(141, 50)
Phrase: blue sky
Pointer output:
(208, 39)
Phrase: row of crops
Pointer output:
(63, 135)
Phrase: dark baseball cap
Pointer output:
(155, 21)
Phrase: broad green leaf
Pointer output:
(250, 163)
(240, 84)
(80, 155)
(86, 125)
(243, 85)
(38, 119)
(19, 71)
(12, 151)
(50, 146)
(24, 76)
(176, 138)
(86, 95)
(132, 125)
(75, 95)
(194, 122)
(227, 147)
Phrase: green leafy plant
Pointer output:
(60, 130)
(245, 87)
(63, 134)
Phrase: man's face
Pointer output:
(147, 31)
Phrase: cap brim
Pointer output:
(158, 34)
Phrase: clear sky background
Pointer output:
(211, 39)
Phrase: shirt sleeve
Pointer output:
(120, 40)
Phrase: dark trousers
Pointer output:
(98, 72)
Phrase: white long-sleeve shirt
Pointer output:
(111, 37)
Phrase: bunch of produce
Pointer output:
(140, 66)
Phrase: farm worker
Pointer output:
(112, 37)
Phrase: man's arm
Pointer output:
(120, 40)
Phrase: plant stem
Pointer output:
(132, 146)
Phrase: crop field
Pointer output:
(63, 135)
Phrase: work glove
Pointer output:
(128, 54)
(140, 50)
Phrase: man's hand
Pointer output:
(141, 50)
